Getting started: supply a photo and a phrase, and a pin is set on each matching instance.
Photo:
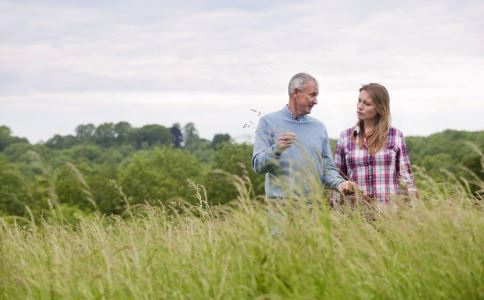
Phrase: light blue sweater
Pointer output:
(302, 168)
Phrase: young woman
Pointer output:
(372, 153)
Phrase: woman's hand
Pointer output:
(347, 187)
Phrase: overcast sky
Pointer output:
(65, 63)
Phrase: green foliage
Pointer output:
(220, 139)
(159, 175)
(72, 188)
(233, 159)
(109, 167)
(123, 131)
(61, 142)
(85, 133)
(105, 135)
(177, 135)
(151, 135)
(7, 139)
(106, 190)
(456, 152)
(199, 147)
(14, 192)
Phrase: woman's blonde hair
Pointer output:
(377, 139)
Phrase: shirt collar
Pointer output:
(356, 130)
(287, 112)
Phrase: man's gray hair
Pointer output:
(299, 81)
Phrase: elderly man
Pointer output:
(293, 149)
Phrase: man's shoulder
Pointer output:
(272, 115)
(315, 121)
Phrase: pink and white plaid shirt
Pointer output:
(380, 175)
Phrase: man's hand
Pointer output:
(284, 141)
(347, 187)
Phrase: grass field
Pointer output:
(432, 251)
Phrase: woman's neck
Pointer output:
(369, 126)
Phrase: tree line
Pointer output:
(113, 167)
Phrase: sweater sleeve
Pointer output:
(330, 175)
(264, 156)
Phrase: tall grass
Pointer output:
(432, 251)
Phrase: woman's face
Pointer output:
(366, 107)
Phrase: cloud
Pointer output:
(205, 56)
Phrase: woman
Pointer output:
(372, 153)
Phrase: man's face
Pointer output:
(306, 99)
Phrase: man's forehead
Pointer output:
(312, 85)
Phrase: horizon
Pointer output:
(240, 139)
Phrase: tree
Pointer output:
(83, 153)
(61, 142)
(72, 188)
(151, 135)
(7, 139)
(123, 131)
(233, 159)
(85, 133)
(191, 136)
(199, 147)
(14, 192)
(159, 174)
(105, 136)
(105, 189)
(176, 135)
(219, 139)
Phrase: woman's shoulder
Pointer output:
(393, 131)
(348, 132)
(395, 137)
(345, 135)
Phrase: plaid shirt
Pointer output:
(380, 175)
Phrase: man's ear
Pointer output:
(295, 92)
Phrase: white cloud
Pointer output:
(210, 61)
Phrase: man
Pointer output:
(293, 149)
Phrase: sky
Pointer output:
(220, 64)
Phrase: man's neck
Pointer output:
(292, 108)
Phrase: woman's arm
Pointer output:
(404, 167)
(340, 157)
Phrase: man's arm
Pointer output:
(264, 154)
(330, 176)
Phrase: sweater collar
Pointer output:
(287, 112)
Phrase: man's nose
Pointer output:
(315, 100)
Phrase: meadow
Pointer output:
(434, 250)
